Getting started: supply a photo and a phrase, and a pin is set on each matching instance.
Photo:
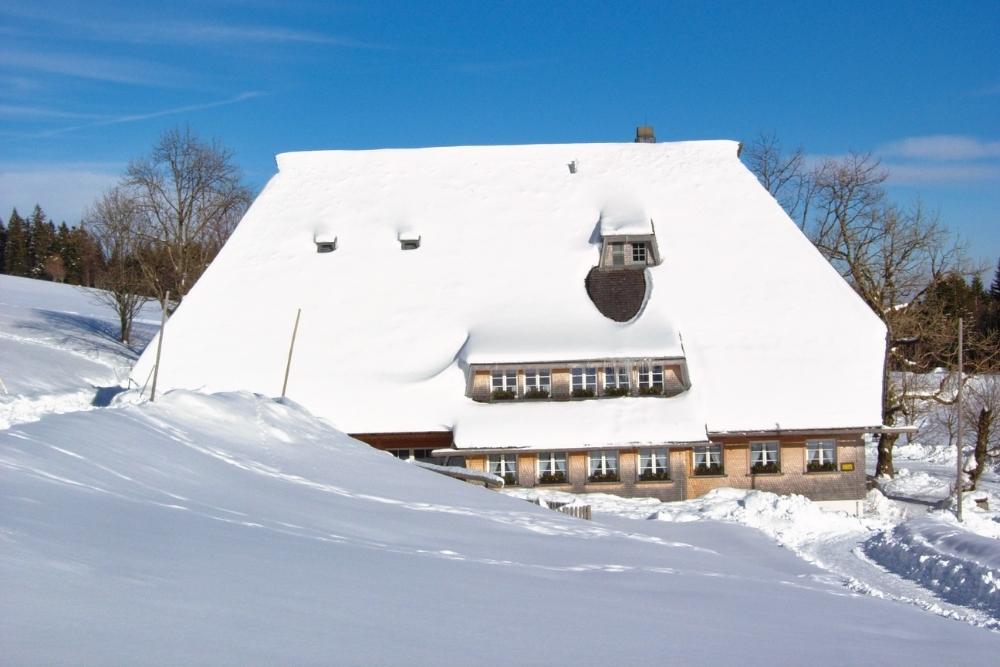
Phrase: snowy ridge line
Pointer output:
(962, 567)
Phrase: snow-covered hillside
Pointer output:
(236, 529)
(59, 348)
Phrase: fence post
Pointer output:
(159, 345)
(291, 348)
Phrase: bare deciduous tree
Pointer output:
(782, 174)
(982, 411)
(115, 223)
(190, 197)
(55, 268)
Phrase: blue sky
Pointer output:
(84, 87)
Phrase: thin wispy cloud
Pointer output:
(113, 70)
(939, 174)
(133, 118)
(31, 113)
(942, 147)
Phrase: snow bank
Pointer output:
(962, 567)
(233, 529)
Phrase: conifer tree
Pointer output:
(16, 249)
(995, 287)
(3, 244)
(42, 241)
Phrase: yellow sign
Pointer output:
(846, 467)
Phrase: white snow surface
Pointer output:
(59, 348)
(235, 529)
(507, 238)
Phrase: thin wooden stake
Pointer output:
(291, 348)
(958, 426)
(159, 345)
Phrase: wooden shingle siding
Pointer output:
(617, 293)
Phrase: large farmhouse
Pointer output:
(639, 318)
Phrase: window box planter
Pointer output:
(503, 395)
(583, 393)
(827, 466)
(610, 477)
(765, 469)
(713, 469)
(536, 394)
(654, 390)
(552, 478)
(658, 476)
(616, 391)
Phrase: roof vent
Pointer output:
(644, 135)
(409, 241)
(325, 243)
(572, 166)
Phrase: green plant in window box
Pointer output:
(583, 393)
(603, 477)
(536, 393)
(816, 466)
(503, 394)
(616, 391)
(711, 469)
(652, 390)
(509, 479)
(552, 478)
(765, 468)
(657, 476)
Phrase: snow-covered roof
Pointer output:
(773, 337)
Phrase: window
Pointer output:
(708, 460)
(584, 382)
(653, 465)
(821, 456)
(617, 254)
(412, 454)
(764, 458)
(552, 468)
(504, 385)
(638, 253)
(616, 382)
(603, 466)
(537, 383)
(650, 379)
(504, 465)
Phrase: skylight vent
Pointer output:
(325, 243)
(409, 241)
(572, 166)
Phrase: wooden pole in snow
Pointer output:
(159, 346)
(291, 348)
(958, 426)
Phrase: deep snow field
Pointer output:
(236, 529)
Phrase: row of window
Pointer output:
(639, 254)
(583, 382)
(602, 465)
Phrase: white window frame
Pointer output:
(584, 377)
(707, 455)
(648, 374)
(604, 463)
(617, 245)
(656, 459)
(538, 378)
(815, 451)
(411, 453)
(549, 461)
(617, 377)
(507, 381)
(639, 253)
(767, 456)
(506, 465)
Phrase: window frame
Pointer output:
(657, 472)
(505, 465)
(537, 382)
(618, 246)
(640, 253)
(606, 473)
(551, 458)
(707, 451)
(650, 386)
(507, 385)
(812, 446)
(621, 381)
(586, 387)
(774, 465)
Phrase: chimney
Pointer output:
(644, 135)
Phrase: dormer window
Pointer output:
(617, 254)
(325, 244)
(638, 253)
(537, 383)
(504, 385)
(409, 241)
